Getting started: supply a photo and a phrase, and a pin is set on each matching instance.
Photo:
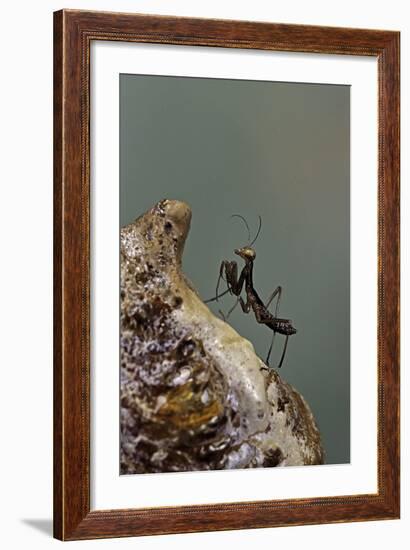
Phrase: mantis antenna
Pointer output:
(245, 222)
(247, 227)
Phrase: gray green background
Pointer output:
(274, 149)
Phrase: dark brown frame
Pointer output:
(73, 33)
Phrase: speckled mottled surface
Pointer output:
(193, 395)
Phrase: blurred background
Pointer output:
(275, 149)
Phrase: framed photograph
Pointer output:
(226, 275)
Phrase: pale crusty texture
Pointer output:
(193, 395)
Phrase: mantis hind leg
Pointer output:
(277, 292)
(283, 352)
(270, 348)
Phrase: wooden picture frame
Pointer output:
(74, 32)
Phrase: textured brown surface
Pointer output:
(73, 32)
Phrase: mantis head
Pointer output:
(246, 252)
